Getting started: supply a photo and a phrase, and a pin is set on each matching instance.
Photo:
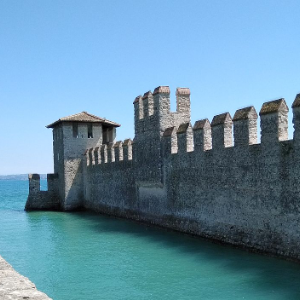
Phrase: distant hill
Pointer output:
(19, 177)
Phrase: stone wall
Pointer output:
(43, 200)
(210, 179)
(214, 180)
(68, 152)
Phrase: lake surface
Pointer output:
(87, 256)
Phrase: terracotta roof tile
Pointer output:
(83, 117)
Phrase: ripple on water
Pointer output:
(89, 256)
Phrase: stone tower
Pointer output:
(72, 135)
(152, 116)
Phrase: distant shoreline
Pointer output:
(19, 177)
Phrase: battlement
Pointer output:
(225, 132)
(152, 110)
(212, 179)
(202, 135)
(115, 152)
(44, 200)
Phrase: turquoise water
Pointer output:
(87, 256)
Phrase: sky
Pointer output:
(59, 58)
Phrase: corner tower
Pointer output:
(72, 135)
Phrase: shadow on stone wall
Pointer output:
(267, 273)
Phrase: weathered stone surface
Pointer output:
(222, 131)
(274, 122)
(197, 180)
(14, 286)
(273, 107)
(202, 135)
(245, 126)
(296, 102)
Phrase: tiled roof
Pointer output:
(83, 117)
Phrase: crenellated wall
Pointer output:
(212, 179)
(152, 117)
(43, 200)
(109, 181)
(242, 193)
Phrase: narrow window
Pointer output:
(105, 136)
(90, 131)
(110, 135)
(58, 156)
(75, 130)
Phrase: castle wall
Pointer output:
(152, 118)
(237, 195)
(109, 184)
(210, 179)
(216, 181)
(43, 200)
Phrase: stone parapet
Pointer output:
(245, 126)
(221, 127)
(43, 200)
(202, 135)
(213, 180)
(274, 122)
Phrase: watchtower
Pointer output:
(72, 135)
(152, 117)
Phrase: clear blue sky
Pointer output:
(62, 57)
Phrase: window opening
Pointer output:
(75, 130)
(104, 135)
(90, 131)
(107, 135)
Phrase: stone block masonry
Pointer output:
(38, 199)
(211, 179)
